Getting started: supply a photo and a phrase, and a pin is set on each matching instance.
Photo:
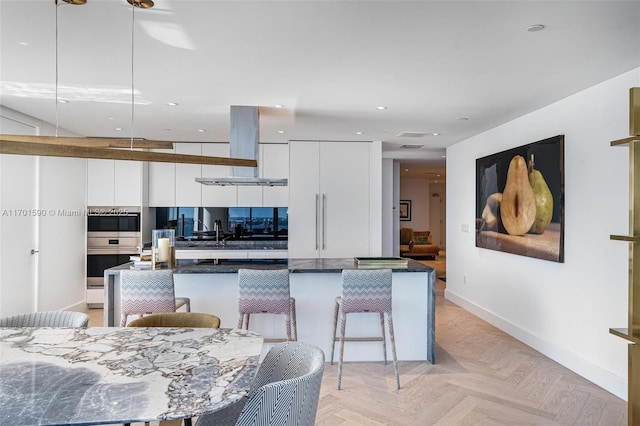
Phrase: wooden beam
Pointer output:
(90, 142)
(625, 141)
(31, 148)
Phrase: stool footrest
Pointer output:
(360, 339)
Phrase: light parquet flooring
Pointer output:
(482, 376)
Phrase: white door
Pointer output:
(304, 199)
(18, 226)
(344, 192)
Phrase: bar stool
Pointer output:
(364, 291)
(263, 291)
(148, 292)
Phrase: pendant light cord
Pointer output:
(133, 13)
(56, 73)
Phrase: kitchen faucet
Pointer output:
(217, 224)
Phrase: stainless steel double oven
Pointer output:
(113, 235)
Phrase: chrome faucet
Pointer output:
(217, 224)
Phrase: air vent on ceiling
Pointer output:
(412, 134)
(411, 146)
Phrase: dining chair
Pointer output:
(177, 319)
(47, 319)
(364, 291)
(285, 390)
(145, 292)
(266, 292)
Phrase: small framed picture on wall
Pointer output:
(405, 209)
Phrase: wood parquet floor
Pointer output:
(482, 376)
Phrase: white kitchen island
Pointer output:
(314, 283)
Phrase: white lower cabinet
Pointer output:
(329, 199)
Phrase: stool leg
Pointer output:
(123, 320)
(335, 327)
(293, 319)
(287, 321)
(393, 348)
(240, 320)
(188, 305)
(384, 338)
(343, 323)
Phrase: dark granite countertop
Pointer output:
(231, 245)
(294, 265)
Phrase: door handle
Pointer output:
(34, 251)
(324, 220)
(317, 200)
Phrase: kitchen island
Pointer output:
(315, 283)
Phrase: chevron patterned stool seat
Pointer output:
(266, 292)
(364, 291)
(146, 292)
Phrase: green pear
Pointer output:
(544, 202)
(518, 205)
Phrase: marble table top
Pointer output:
(51, 376)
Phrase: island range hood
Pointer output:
(244, 141)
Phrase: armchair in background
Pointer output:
(417, 244)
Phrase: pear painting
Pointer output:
(520, 200)
(518, 205)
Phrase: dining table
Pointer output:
(109, 375)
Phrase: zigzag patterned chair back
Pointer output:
(263, 291)
(285, 390)
(47, 319)
(146, 292)
(366, 290)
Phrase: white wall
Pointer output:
(416, 190)
(54, 278)
(564, 310)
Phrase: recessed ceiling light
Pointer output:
(278, 106)
(111, 118)
(435, 134)
(23, 43)
(281, 131)
(406, 170)
(118, 128)
(437, 175)
(534, 28)
(62, 101)
(171, 103)
(358, 133)
(381, 107)
(444, 156)
(201, 130)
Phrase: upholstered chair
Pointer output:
(47, 319)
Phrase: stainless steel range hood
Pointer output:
(243, 142)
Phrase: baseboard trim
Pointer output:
(604, 378)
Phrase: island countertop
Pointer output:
(293, 265)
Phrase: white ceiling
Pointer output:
(452, 67)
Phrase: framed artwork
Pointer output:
(520, 200)
(405, 209)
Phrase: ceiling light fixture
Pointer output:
(142, 4)
(278, 106)
(535, 28)
(280, 131)
(201, 130)
(381, 107)
(76, 2)
(435, 134)
(171, 103)
(358, 133)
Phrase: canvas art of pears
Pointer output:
(525, 205)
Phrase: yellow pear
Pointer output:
(518, 206)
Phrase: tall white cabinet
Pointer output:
(115, 183)
(333, 199)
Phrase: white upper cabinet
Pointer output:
(274, 164)
(215, 195)
(114, 183)
(162, 182)
(188, 191)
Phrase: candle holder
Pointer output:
(163, 249)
